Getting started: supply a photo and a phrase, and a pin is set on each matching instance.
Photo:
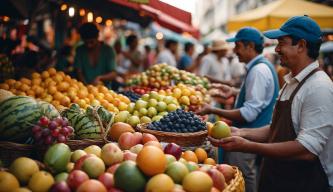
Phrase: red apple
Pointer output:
(76, 178)
(114, 190)
(227, 171)
(137, 136)
(148, 137)
(173, 149)
(79, 162)
(113, 168)
(218, 179)
(107, 179)
(60, 187)
(128, 155)
(126, 140)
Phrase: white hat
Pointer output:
(219, 45)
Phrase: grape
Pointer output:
(53, 125)
(61, 138)
(55, 133)
(48, 140)
(44, 121)
(36, 129)
(46, 132)
(64, 131)
(38, 135)
(64, 122)
(59, 120)
(70, 129)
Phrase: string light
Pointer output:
(71, 11)
(6, 18)
(99, 19)
(108, 22)
(82, 12)
(63, 7)
(159, 35)
(90, 17)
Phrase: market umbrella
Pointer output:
(273, 15)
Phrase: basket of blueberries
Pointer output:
(180, 127)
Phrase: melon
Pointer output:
(48, 110)
(5, 95)
(17, 115)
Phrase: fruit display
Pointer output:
(18, 114)
(220, 130)
(89, 123)
(49, 131)
(61, 90)
(131, 95)
(161, 75)
(150, 107)
(178, 121)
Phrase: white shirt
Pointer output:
(237, 69)
(167, 57)
(218, 69)
(312, 114)
(259, 86)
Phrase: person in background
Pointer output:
(133, 54)
(198, 59)
(186, 61)
(94, 61)
(65, 60)
(255, 99)
(297, 146)
(168, 54)
(214, 66)
(149, 58)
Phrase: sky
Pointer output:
(187, 5)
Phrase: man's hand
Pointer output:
(223, 91)
(206, 109)
(97, 80)
(233, 143)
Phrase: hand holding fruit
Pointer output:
(233, 143)
(205, 109)
(224, 91)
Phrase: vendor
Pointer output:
(298, 145)
(94, 61)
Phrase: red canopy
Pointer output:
(166, 15)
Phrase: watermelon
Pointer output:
(17, 115)
(48, 110)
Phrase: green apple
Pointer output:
(154, 95)
(220, 130)
(145, 97)
(121, 116)
(152, 103)
(133, 120)
(163, 113)
(143, 111)
(161, 106)
(160, 97)
(152, 111)
(172, 107)
(140, 104)
(131, 107)
(145, 119)
(168, 99)
(157, 118)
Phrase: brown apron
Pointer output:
(290, 175)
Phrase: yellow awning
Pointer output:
(273, 15)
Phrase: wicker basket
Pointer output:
(9, 151)
(182, 139)
(237, 184)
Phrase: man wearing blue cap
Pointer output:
(298, 145)
(255, 100)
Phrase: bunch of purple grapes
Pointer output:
(49, 131)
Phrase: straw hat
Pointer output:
(219, 45)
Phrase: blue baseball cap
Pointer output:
(302, 27)
(248, 34)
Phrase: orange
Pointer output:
(190, 156)
(82, 94)
(17, 85)
(91, 185)
(151, 160)
(45, 74)
(30, 93)
(21, 93)
(209, 127)
(91, 97)
(35, 75)
(36, 81)
(210, 161)
(52, 90)
(108, 97)
(4, 86)
(161, 183)
(124, 99)
(201, 154)
(63, 86)
(58, 96)
(65, 101)
(25, 87)
(68, 79)
(52, 71)
(81, 102)
(8, 182)
(103, 89)
(100, 96)
(58, 78)
(197, 181)
(25, 81)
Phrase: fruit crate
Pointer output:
(237, 184)
(9, 151)
(182, 139)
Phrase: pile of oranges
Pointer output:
(198, 156)
(61, 90)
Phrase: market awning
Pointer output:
(166, 15)
(273, 15)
